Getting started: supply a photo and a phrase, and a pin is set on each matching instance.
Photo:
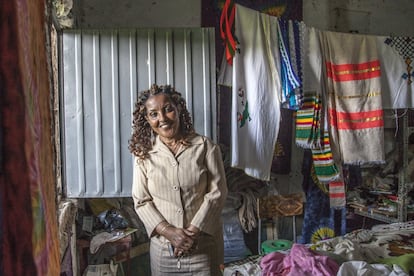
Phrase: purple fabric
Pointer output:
(299, 261)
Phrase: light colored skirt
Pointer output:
(204, 260)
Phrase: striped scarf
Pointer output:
(325, 168)
(312, 134)
(307, 122)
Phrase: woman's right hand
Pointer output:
(180, 240)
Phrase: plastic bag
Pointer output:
(112, 220)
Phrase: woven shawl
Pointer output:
(353, 89)
(311, 125)
(308, 115)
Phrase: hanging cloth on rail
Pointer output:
(311, 119)
(353, 90)
(290, 34)
(255, 115)
(397, 71)
(227, 30)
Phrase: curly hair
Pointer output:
(141, 141)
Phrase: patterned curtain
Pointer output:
(27, 189)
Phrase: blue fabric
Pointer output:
(316, 209)
(290, 80)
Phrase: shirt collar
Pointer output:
(160, 146)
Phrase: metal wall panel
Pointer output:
(102, 72)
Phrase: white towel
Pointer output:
(255, 93)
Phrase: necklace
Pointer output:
(173, 146)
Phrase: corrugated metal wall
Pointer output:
(102, 72)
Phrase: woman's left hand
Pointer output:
(192, 232)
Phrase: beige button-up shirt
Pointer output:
(189, 188)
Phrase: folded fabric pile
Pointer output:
(299, 261)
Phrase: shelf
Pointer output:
(374, 213)
(376, 216)
(396, 143)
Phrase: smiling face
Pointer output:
(163, 116)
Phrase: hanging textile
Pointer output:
(311, 124)
(337, 194)
(325, 167)
(337, 202)
(227, 30)
(316, 213)
(307, 125)
(404, 46)
(291, 9)
(255, 101)
(290, 45)
(353, 91)
(308, 115)
(397, 74)
(313, 79)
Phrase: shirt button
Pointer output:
(180, 211)
(175, 188)
(174, 163)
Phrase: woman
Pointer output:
(179, 186)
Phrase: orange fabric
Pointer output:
(350, 72)
(356, 120)
(227, 29)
